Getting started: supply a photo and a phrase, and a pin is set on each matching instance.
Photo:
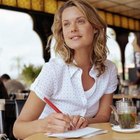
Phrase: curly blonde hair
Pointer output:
(99, 50)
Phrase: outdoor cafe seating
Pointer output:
(9, 111)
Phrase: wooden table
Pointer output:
(111, 135)
(120, 96)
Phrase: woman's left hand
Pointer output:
(79, 121)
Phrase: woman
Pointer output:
(79, 83)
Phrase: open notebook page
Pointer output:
(83, 132)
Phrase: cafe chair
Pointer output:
(18, 106)
(2, 118)
(5, 123)
(1, 122)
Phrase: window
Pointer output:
(19, 43)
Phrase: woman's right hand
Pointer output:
(55, 123)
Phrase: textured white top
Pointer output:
(61, 83)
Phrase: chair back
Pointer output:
(2, 118)
(7, 117)
(18, 106)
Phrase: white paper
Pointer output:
(83, 132)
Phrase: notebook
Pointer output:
(82, 132)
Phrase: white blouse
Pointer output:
(61, 83)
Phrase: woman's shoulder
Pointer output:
(111, 66)
(57, 60)
(109, 63)
(55, 64)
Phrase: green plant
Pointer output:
(29, 73)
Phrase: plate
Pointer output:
(132, 130)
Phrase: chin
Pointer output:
(75, 47)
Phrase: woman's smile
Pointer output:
(75, 37)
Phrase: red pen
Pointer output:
(54, 107)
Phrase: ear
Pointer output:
(95, 31)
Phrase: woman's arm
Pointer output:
(28, 123)
(104, 111)
(103, 114)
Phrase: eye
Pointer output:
(66, 24)
(81, 21)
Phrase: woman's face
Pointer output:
(77, 31)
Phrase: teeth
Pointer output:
(76, 37)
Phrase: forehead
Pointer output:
(71, 12)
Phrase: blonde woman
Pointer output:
(80, 82)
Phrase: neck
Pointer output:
(82, 60)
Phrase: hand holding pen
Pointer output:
(57, 110)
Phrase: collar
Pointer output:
(93, 72)
(73, 69)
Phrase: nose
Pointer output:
(74, 27)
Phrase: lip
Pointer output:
(75, 37)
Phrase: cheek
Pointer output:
(88, 30)
(90, 35)
(65, 35)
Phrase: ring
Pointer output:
(82, 118)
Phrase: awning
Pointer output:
(119, 13)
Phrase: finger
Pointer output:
(58, 120)
(83, 118)
(71, 123)
(63, 117)
(85, 122)
(53, 128)
(75, 120)
(63, 121)
(56, 125)
(68, 118)
(80, 122)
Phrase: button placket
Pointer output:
(82, 93)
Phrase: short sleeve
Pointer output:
(113, 80)
(43, 84)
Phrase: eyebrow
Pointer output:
(76, 18)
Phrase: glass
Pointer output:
(127, 116)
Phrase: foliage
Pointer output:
(29, 73)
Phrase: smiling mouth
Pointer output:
(75, 37)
